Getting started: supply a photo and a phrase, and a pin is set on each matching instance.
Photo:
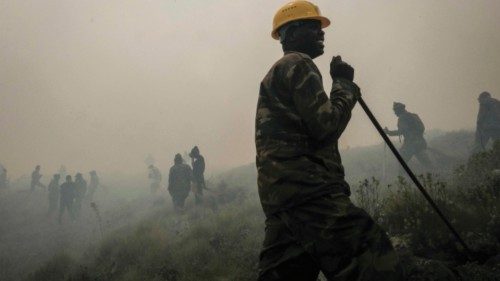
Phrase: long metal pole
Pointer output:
(412, 175)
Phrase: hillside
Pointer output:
(143, 239)
(447, 149)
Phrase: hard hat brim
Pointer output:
(325, 22)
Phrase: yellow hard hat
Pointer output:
(297, 10)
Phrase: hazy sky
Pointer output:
(100, 84)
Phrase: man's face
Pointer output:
(309, 38)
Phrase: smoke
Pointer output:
(95, 85)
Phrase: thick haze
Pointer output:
(100, 84)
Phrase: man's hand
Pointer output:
(340, 69)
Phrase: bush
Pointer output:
(471, 202)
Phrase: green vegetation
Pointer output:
(222, 241)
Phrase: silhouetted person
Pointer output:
(311, 224)
(488, 120)
(198, 164)
(67, 195)
(179, 182)
(35, 178)
(62, 172)
(53, 195)
(412, 129)
(155, 178)
(93, 184)
(81, 190)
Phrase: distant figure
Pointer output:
(67, 196)
(94, 183)
(155, 178)
(198, 164)
(179, 182)
(53, 194)
(488, 120)
(62, 171)
(81, 190)
(412, 129)
(35, 178)
(150, 160)
(4, 182)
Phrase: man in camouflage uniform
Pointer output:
(488, 120)
(67, 195)
(155, 178)
(35, 178)
(311, 224)
(53, 194)
(179, 182)
(198, 164)
(412, 129)
(81, 190)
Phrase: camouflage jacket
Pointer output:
(296, 132)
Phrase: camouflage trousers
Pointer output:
(416, 148)
(327, 234)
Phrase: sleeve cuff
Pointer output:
(346, 85)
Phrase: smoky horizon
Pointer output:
(101, 85)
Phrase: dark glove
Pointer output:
(340, 69)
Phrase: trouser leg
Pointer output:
(71, 210)
(52, 207)
(406, 154)
(198, 196)
(342, 240)
(175, 201)
(62, 206)
(424, 159)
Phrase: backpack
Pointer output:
(416, 124)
